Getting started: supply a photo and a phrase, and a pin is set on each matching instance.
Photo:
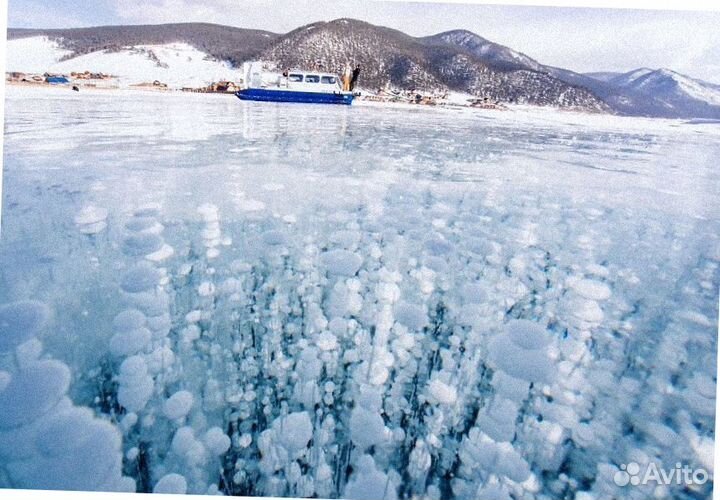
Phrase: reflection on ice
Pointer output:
(302, 301)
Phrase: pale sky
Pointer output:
(581, 39)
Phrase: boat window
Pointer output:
(328, 79)
(295, 77)
(312, 78)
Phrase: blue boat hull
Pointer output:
(273, 95)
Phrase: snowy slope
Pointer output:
(626, 79)
(33, 55)
(669, 85)
(485, 49)
(224, 43)
(177, 64)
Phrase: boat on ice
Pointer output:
(294, 86)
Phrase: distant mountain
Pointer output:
(661, 93)
(456, 60)
(668, 86)
(675, 92)
(500, 56)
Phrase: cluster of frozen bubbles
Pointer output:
(449, 346)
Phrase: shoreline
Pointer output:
(509, 110)
(366, 99)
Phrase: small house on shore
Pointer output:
(15, 76)
(88, 75)
(155, 85)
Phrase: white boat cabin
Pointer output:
(295, 80)
(310, 81)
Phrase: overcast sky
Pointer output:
(581, 39)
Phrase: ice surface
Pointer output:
(135, 385)
(91, 219)
(341, 262)
(410, 315)
(130, 319)
(367, 428)
(188, 448)
(368, 483)
(294, 431)
(142, 244)
(141, 278)
(32, 392)
(498, 420)
(521, 352)
(46, 441)
(178, 405)
(363, 301)
(527, 334)
(20, 321)
(216, 441)
(90, 215)
(171, 484)
(591, 289)
(144, 224)
(442, 392)
(127, 342)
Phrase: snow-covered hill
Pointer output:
(627, 79)
(176, 64)
(388, 56)
(486, 50)
(670, 86)
(224, 43)
(33, 55)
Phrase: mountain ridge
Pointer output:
(222, 42)
(612, 88)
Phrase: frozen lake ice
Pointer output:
(354, 302)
